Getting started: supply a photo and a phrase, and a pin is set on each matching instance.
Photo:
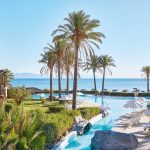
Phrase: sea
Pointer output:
(83, 83)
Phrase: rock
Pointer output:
(111, 140)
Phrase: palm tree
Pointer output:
(92, 64)
(146, 71)
(68, 65)
(78, 29)
(60, 48)
(5, 78)
(48, 59)
(106, 62)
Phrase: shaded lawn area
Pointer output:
(36, 105)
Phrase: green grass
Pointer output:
(36, 105)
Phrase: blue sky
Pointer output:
(26, 26)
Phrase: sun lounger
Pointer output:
(133, 122)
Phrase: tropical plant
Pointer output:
(5, 78)
(78, 29)
(19, 94)
(92, 64)
(20, 130)
(49, 60)
(146, 72)
(106, 62)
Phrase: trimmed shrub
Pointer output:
(128, 94)
(19, 94)
(56, 125)
(8, 107)
(148, 106)
(56, 109)
(89, 112)
(46, 90)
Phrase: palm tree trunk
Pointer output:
(51, 85)
(67, 84)
(103, 82)
(95, 83)
(147, 84)
(59, 81)
(75, 82)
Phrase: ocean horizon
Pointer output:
(83, 83)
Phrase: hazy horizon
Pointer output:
(39, 76)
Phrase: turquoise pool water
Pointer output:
(83, 142)
(116, 105)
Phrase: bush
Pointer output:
(22, 129)
(19, 94)
(46, 90)
(43, 101)
(148, 106)
(89, 112)
(8, 107)
(56, 109)
(128, 94)
(56, 125)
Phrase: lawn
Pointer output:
(36, 105)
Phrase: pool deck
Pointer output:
(144, 141)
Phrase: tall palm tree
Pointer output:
(5, 77)
(106, 62)
(48, 59)
(78, 29)
(60, 48)
(146, 71)
(68, 65)
(92, 64)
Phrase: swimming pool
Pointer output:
(117, 109)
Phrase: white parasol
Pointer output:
(133, 104)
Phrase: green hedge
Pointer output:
(89, 112)
(56, 109)
(57, 124)
(8, 107)
(148, 106)
(126, 94)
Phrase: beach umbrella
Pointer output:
(133, 104)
